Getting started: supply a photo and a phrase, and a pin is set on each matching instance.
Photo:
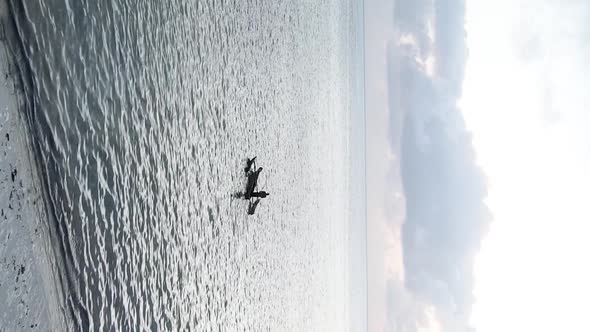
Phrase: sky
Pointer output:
(477, 151)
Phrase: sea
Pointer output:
(140, 116)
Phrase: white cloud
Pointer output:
(526, 102)
(445, 217)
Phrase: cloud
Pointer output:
(411, 18)
(405, 312)
(450, 49)
(445, 214)
(444, 189)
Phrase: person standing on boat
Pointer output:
(252, 182)
(249, 164)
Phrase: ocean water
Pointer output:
(141, 115)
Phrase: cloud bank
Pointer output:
(444, 189)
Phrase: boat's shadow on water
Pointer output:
(250, 210)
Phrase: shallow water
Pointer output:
(142, 114)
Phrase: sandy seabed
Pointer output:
(28, 298)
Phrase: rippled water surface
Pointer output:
(142, 114)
